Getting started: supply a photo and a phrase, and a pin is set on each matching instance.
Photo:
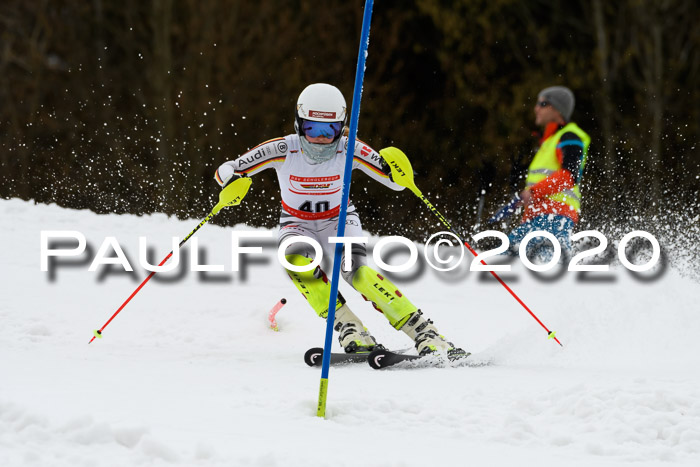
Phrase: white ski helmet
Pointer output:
(323, 103)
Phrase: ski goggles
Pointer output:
(325, 129)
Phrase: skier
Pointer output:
(310, 165)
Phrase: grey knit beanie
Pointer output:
(561, 99)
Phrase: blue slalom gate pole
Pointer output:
(354, 117)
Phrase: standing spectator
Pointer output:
(552, 197)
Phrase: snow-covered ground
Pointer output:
(190, 374)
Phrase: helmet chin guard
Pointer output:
(317, 153)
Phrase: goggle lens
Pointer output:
(325, 129)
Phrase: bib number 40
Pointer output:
(320, 206)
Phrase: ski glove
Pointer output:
(225, 174)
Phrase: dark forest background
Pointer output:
(129, 106)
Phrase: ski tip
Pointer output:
(314, 357)
(375, 358)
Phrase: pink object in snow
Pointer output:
(273, 313)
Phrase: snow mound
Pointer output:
(190, 374)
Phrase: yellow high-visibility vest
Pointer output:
(545, 163)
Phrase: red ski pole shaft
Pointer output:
(231, 195)
(447, 224)
(402, 174)
(98, 333)
(515, 296)
(153, 273)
